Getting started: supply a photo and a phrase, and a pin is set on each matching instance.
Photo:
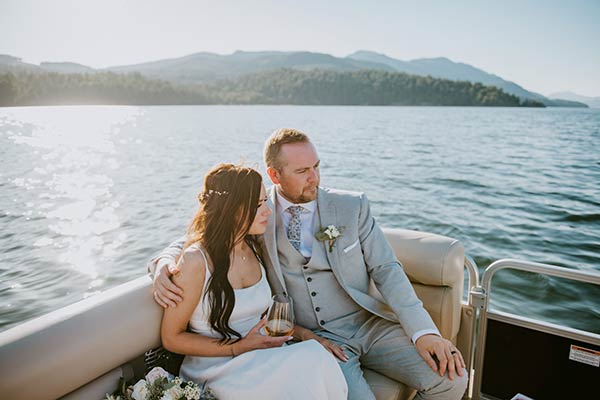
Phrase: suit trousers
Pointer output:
(384, 347)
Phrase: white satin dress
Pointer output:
(300, 371)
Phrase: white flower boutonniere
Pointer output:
(329, 234)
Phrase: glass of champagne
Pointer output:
(280, 317)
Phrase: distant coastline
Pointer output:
(266, 77)
(281, 86)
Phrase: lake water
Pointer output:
(88, 194)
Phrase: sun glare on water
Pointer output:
(74, 158)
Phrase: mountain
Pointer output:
(66, 67)
(15, 64)
(593, 102)
(207, 67)
(10, 63)
(442, 67)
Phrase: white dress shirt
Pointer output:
(306, 218)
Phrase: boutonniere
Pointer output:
(330, 234)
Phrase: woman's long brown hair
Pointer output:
(228, 205)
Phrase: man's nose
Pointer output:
(312, 176)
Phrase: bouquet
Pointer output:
(160, 385)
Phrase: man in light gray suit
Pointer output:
(329, 279)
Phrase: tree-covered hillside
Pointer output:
(366, 87)
(33, 89)
(282, 86)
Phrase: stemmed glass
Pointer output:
(280, 317)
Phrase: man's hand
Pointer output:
(448, 356)
(166, 293)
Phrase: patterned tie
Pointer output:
(294, 231)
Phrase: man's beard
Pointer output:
(303, 198)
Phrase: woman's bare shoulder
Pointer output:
(191, 266)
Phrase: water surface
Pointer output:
(88, 194)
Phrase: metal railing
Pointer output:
(479, 297)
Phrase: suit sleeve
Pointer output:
(389, 276)
(167, 255)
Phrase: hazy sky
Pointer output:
(543, 45)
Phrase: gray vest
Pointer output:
(319, 300)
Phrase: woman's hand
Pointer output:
(306, 334)
(333, 348)
(256, 340)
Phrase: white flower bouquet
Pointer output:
(160, 385)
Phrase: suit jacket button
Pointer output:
(322, 322)
(313, 294)
(318, 309)
(309, 279)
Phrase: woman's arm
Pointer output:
(175, 338)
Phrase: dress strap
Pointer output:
(208, 274)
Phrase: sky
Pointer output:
(545, 46)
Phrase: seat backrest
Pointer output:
(52, 355)
(435, 266)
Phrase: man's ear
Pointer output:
(273, 175)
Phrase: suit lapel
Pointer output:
(270, 238)
(328, 216)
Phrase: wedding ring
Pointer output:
(453, 352)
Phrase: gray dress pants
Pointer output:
(383, 346)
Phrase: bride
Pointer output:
(218, 324)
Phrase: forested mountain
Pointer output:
(365, 87)
(208, 68)
(442, 67)
(282, 86)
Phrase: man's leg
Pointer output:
(358, 388)
(392, 354)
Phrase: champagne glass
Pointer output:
(280, 317)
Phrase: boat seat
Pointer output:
(77, 351)
(435, 266)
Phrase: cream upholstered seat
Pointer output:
(80, 351)
(435, 266)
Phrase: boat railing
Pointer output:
(480, 295)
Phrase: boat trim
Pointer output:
(546, 327)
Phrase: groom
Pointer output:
(329, 279)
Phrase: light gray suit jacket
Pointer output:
(361, 254)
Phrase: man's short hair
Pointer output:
(279, 138)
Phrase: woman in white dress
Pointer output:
(218, 324)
